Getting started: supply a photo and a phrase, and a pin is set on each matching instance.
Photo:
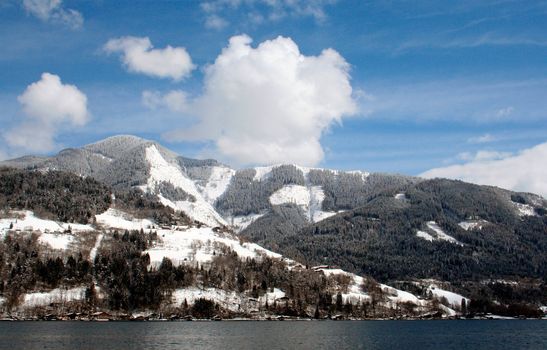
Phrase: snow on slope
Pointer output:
(473, 224)
(310, 199)
(356, 295)
(239, 223)
(57, 295)
(199, 245)
(436, 234)
(114, 218)
(29, 222)
(228, 300)
(59, 241)
(295, 194)
(271, 297)
(93, 252)
(400, 196)
(441, 234)
(425, 235)
(261, 173)
(163, 171)
(454, 299)
(363, 174)
(524, 209)
(217, 184)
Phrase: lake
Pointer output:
(468, 334)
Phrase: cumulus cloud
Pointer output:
(270, 104)
(139, 56)
(525, 171)
(52, 10)
(175, 100)
(48, 104)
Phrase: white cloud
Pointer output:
(175, 100)
(215, 22)
(486, 138)
(259, 11)
(139, 56)
(504, 112)
(270, 104)
(48, 105)
(52, 10)
(525, 171)
(483, 155)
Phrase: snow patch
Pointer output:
(425, 235)
(93, 252)
(436, 234)
(218, 183)
(399, 296)
(271, 297)
(400, 196)
(57, 295)
(163, 171)
(102, 156)
(115, 218)
(473, 224)
(200, 245)
(454, 299)
(239, 223)
(261, 173)
(525, 209)
(294, 194)
(30, 222)
(355, 294)
(199, 210)
(228, 300)
(363, 174)
(59, 241)
(309, 199)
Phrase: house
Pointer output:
(101, 316)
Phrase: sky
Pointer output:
(455, 89)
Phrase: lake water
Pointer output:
(469, 334)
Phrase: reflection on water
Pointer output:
(276, 335)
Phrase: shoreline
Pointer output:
(490, 318)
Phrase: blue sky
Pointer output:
(433, 82)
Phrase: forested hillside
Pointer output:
(381, 238)
(59, 195)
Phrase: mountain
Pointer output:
(396, 229)
(211, 192)
(74, 248)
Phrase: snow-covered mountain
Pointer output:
(197, 187)
(393, 228)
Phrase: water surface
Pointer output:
(468, 334)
